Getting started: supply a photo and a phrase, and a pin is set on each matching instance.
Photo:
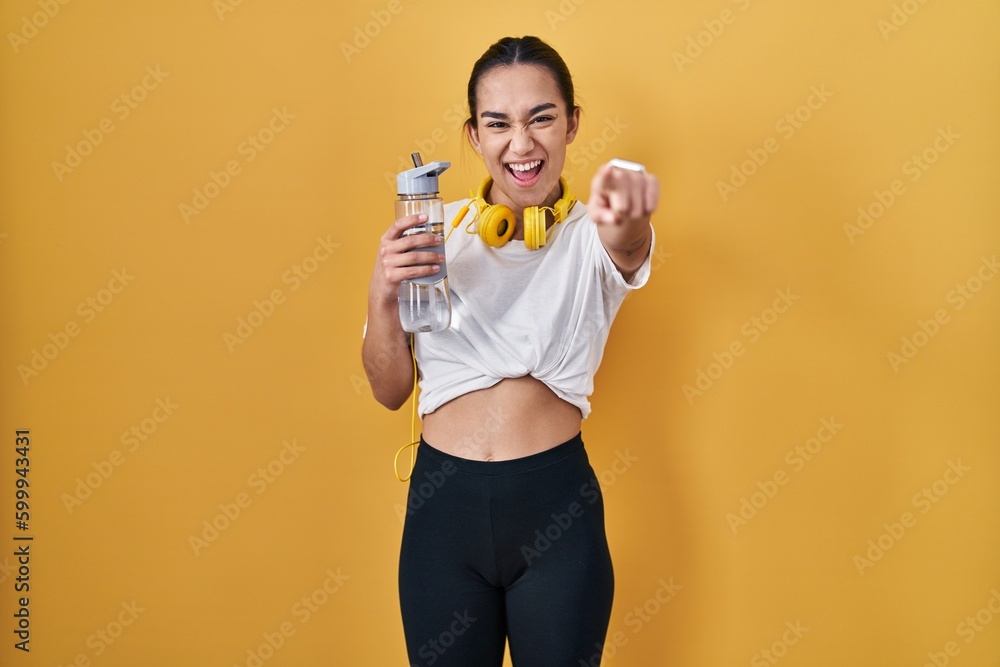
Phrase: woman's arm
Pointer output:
(621, 204)
(386, 349)
(386, 357)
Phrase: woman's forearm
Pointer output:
(386, 355)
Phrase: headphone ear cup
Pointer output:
(496, 225)
(534, 228)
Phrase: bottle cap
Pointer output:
(422, 180)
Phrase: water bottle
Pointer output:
(424, 304)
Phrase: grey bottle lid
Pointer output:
(421, 180)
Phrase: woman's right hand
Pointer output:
(395, 263)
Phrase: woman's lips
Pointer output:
(525, 177)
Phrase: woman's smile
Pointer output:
(525, 173)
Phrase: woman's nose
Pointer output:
(522, 143)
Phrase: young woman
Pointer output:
(508, 541)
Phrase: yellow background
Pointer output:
(351, 117)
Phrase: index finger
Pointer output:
(397, 228)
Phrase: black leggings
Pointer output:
(505, 549)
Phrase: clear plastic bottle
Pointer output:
(424, 303)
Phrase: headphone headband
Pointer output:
(497, 222)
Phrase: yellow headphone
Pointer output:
(497, 222)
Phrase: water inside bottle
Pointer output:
(424, 307)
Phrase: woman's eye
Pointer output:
(497, 124)
(541, 119)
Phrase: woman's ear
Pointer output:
(573, 126)
(473, 134)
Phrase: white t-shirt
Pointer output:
(514, 312)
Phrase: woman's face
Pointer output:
(522, 131)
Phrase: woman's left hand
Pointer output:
(622, 197)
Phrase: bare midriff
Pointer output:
(514, 418)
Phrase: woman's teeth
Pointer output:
(525, 171)
(526, 166)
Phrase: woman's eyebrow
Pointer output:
(502, 116)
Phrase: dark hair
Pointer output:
(527, 50)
